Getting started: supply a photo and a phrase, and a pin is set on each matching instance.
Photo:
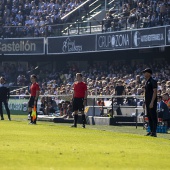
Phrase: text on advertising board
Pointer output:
(17, 46)
(113, 40)
(70, 46)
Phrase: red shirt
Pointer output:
(167, 102)
(79, 89)
(34, 87)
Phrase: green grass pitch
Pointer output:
(52, 146)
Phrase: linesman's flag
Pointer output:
(34, 113)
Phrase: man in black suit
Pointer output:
(4, 97)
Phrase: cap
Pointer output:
(148, 70)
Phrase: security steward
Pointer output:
(79, 99)
(4, 97)
(151, 101)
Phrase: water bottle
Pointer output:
(164, 129)
(161, 129)
(158, 129)
(148, 129)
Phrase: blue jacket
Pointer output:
(165, 111)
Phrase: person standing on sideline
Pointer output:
(119, 91)
(151, 101)
(79, 99)
(35, 89)
(4, 98)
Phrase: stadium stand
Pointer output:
(19, 18)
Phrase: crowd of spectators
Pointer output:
(138, 14)
(34, 17)
(101, 79)
(21, 18)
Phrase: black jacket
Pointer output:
(164, 111)
(4, 92)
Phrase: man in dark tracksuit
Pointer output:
(4, 97)
(151, 101)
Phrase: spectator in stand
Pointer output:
(166, 99)
(69, 111)
(163, 111)
(19, 10)
(107, 21)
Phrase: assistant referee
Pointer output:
(79, 99)
(35, 89)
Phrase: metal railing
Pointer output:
(74, 10)
(76, 28)
(18, 103)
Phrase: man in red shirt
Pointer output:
(79, 99)
(35, 89)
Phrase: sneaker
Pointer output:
(30, 123)
(83, 126)
(73, 126)
(154, 135)
(2, 118)
(148, 134)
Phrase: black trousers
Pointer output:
(31, 105)
(153, 118)
(6, 107)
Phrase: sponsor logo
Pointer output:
(168, 35)
(15, 106)
(70, 46)
(21, 46)
(138, 38)
(113, 41)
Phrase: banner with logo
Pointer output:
(168, 35)
(148, 37)
(71, 44)
(111, 41)
(20, 46)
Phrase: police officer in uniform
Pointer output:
(4, 98)
(151, 101)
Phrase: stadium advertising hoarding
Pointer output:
(149, 37)
(71, 44)
(121, 40)
(168, 35)
(20, 46)
(113, 41)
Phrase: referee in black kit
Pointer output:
(4, 97)
(151, 101)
